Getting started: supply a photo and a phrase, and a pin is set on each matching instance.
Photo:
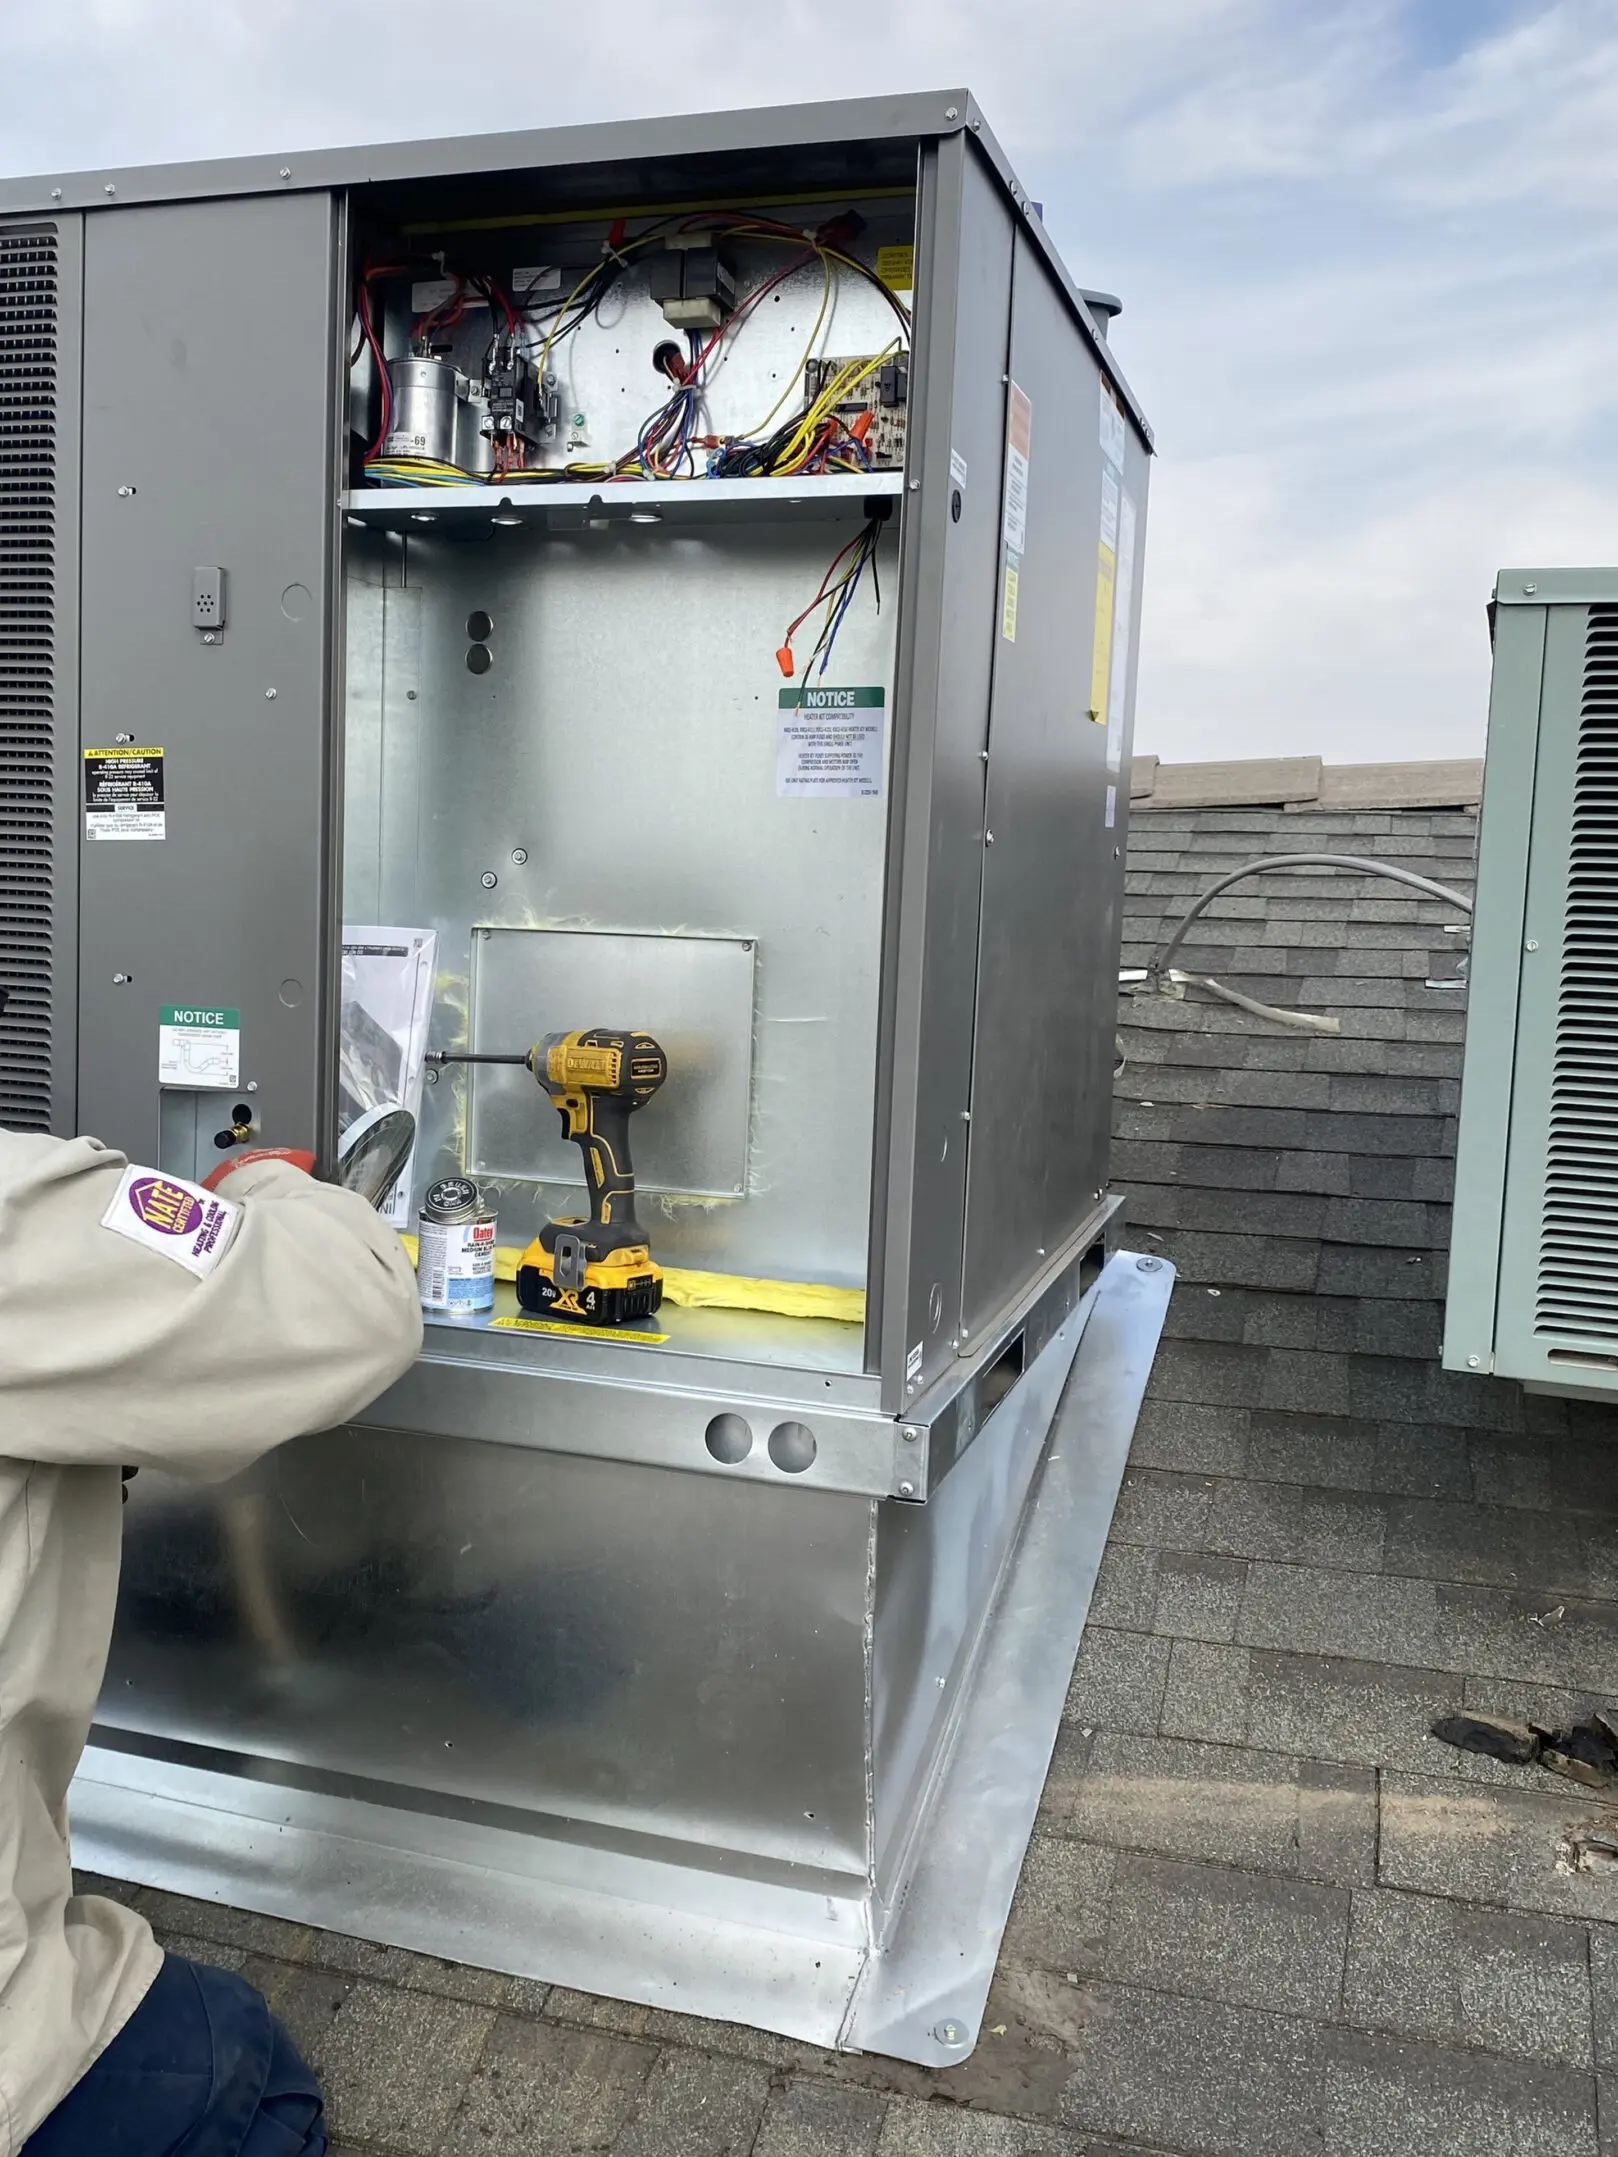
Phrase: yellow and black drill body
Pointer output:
(598, 1271)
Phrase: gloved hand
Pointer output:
(294, 1156)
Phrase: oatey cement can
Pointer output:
(455, 1264)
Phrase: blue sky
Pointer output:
(1368, 253)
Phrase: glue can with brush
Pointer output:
(455, 1262)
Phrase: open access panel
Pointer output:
(681, 579)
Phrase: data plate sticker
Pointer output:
(1114, 434)
(123, 794)
(578, 1333)
(830, 744)
(1019, 441)
(178, 1220)
(199, 1045)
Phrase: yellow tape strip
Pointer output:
(693, 1291)
(576, 1332)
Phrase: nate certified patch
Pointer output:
(179, 1219)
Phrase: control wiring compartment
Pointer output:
(692, 344)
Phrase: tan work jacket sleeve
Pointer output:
(114, 1352)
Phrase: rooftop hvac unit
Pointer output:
(1533, 1290)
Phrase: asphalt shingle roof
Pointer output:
(1264, 1912)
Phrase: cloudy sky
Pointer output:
(1367, 253)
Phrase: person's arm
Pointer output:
(145, 1323)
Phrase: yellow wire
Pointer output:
(795, 380)
(802, 442)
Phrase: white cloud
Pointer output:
(1369, 260)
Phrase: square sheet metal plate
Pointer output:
(694, 994)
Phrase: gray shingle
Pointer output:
(1312, 1612)
(1209, 1932)
(1059, 1918)
(692, 2106)
(1191, 1437)
(1305, 1527)
(819, 2119)
(1483, 1843)
(1206, 1696)
(1507, 1983)
(1346, 1453)
(1197, 2076)
(1165, 1510)
(1198, 1595)
(545, 2091)
(1118, 1680)
(1220, 1805)
(1387, 2098)
(1337, 1708)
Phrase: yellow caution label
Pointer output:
(575, 1333)
(896, 266)
(1101, 667)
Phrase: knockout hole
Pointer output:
(729, 1439)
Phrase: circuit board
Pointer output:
(884, 393)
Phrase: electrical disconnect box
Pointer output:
(683, 596)
(1533, 1282)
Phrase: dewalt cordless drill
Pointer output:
(599, 1271)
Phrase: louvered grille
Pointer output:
(1578, 1253)
(28, 423)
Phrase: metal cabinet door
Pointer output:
(1055, 816)
(211, 373)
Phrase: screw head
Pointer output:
(988, 838)
(119, 980)
(1532, 944)
(1530, 587)
(910, 1434)
(1474, 1363)
(286, 172)
(109, 189)
(519, 855)
(210, 636)
(907, 1490)
(56, 194)
(950, 2033)
(252, 1085)
(1148, 1265)
(489, 880)
(951, 113)
(270, 695)
(124, 493)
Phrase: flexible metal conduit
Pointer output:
(1345, 864)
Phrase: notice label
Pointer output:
(896, 266)
(1114, 433)
(538, 277)
(1019, 438)
(830, 743)
(178, 1220)
(123, 794)
(199, 1045)
(1122, 614)
(1111, 817)
(957, 470)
